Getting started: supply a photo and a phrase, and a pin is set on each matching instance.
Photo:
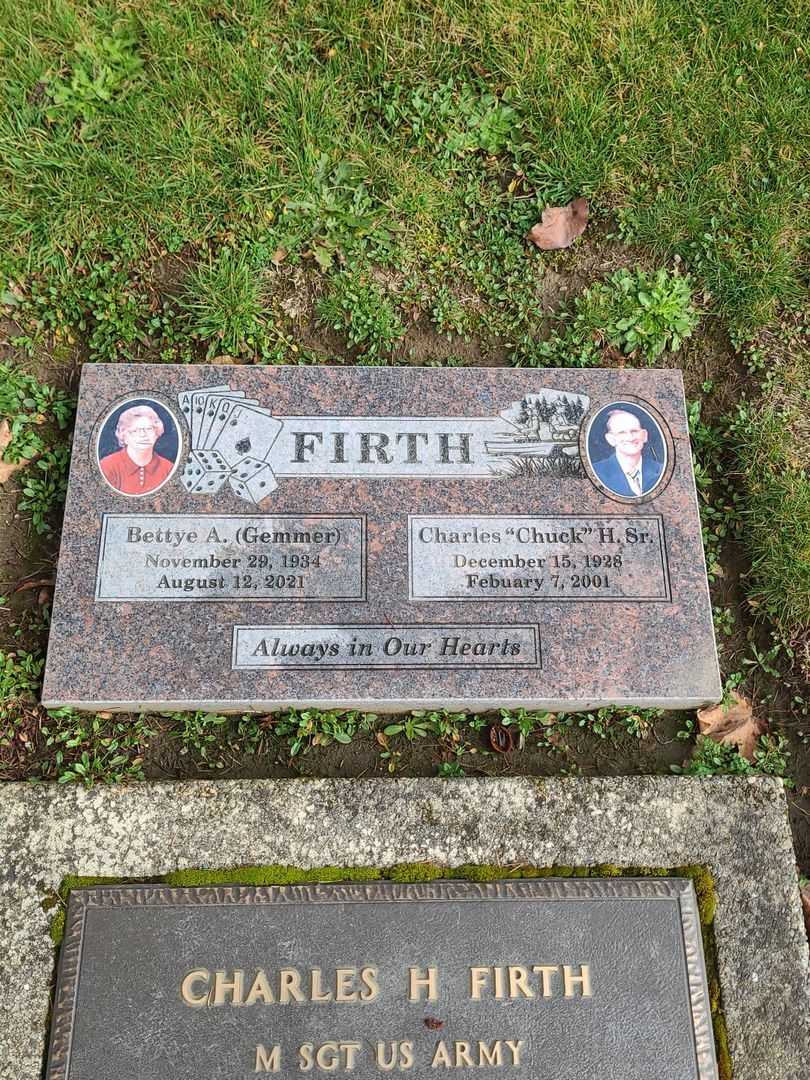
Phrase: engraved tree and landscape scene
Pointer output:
(543, 438)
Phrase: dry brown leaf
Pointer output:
(804, 892)
(501, 738)
(33, 583)
(278, 256)
(560, 225)
(733, 723)
(614, 356)
(8, 468)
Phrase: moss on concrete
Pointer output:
(274, 874)
(607, 870)
(57, 927)
(411, 872)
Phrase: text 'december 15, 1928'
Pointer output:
(561, 558)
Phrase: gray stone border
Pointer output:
(738, 828)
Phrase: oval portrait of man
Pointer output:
(138, 446)
(626, 449)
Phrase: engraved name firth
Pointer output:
(244, 446)
(203, 988)
(396, 447)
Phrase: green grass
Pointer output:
(636, 313)
(43, 489)
(37, 415)
(89, 750)
(27, 404)
(359, 308)
(331, 129)
(211, 741)
(103, 70)
(769, 439)
(20, 678)
(711, 758)
(223, 304)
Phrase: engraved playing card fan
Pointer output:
(231, 440)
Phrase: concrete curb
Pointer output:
(738, 828)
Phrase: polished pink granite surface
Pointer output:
(385, 538)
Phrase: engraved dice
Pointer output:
(205, 472)
(231, 439)
(252, 480)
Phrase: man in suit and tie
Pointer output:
(628, 471)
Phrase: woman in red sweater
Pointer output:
(136, 469)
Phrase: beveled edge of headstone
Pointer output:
(386, 706)
(680, 890)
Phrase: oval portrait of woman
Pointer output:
(626, 449)
(138, 446)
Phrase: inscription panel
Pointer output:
(561, 558)
(519, 979)
(209, 557)
(417, 646)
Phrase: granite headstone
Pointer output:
(254, 538)
(567, 978)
